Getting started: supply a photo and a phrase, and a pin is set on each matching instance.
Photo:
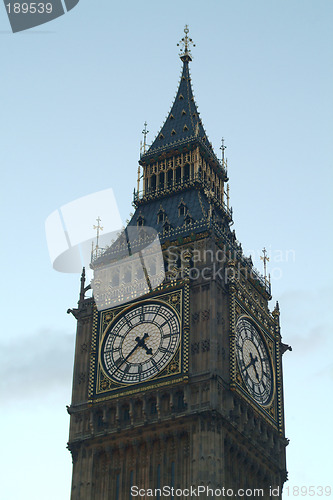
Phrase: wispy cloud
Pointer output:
(306, 318)
(36, 364)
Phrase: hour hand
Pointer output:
(252, 362)
(141, 343)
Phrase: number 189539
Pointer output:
(29, 8)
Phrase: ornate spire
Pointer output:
(183, 123)
(186, 41)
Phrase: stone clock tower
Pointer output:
(180, 385)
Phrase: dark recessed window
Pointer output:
(140, 221)
(153, 408)
(160, 216)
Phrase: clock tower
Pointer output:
(180, 385)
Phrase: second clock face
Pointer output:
(254, 361)
(140, 343)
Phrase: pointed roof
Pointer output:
(183, 125)
(183, 122)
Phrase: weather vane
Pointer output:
(186, 41)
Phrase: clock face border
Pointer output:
(272, 410)
(251, 345)
(135, 349)
(175, 370)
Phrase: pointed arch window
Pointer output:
(166, 225)
(182, 209)
(188, 219)
(173, 132)
(183, 112)
(161, 216)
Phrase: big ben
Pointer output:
(179, 386)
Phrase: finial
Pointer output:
(223, 148)
(265, 259)
(98, 229)
(276, 311)
(145, 133)
(83, 280)
(138, 182)
(186, 41)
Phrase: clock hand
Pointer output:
(253, 360)
(140, 343)
(125, 359)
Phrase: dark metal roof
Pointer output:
(196, 205)
(183, 124)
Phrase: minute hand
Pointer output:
(252, 362)
(140, 343)
(125, 359)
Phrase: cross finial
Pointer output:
(145, 132)
(223, 148)
(186, 41)
(98, 229)
(265, 259)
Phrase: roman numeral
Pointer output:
(154, 363)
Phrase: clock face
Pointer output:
(254, 361)
(140, 343)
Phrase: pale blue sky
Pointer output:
(74, 96)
